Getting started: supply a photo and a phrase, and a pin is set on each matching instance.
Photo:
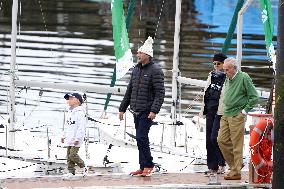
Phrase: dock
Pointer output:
(125, 181)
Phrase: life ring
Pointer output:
(257, 136)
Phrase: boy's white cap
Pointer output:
(147, 47)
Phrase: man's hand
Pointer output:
(62, 140)
(152, 115)
(120, 115)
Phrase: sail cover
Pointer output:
(123, 55)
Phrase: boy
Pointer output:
(74, 132)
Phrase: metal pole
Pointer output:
(179, 101)
(124, 136)
(175, 69)
(185, 135)
(48, 143)
(240, 33)
(11, 135)
(278, 147)
(232, 27)
(162, 138)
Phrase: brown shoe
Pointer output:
(243, 165)
(233, 177)
(147, 172)
(136, 173)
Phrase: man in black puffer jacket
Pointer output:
(145, 95)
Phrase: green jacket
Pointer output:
(239, 94)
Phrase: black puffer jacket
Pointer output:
(145, 91)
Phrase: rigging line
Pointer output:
(197, 97)
(28, 150)
(87, 138)
(32, 128)
(44, 22)
(140, 18)
(36, 106)
(42, 15)
(19, 168)
(23, 167)
(159, 19)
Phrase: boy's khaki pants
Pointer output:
(73, 158)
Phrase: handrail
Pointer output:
(73, 87)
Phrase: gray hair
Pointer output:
(231, 62)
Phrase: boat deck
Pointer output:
(95, 181)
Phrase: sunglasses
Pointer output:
(217, 63)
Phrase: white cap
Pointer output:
(147, 48)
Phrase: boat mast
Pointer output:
(240, 32)
(11, 133)
(175, 70)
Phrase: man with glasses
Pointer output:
(240, 96)
(213, 112)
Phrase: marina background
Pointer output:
(71, 42)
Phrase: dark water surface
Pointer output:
(71, 41)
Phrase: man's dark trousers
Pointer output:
(142, 126)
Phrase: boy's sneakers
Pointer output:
(147, 172)
(136, 173)
(68, 176)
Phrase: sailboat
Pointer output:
(177, 146)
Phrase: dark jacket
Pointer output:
(145, 91)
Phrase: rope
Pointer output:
(198, 96)
(262, 136)
(30, 129)
(18, 168)
(23, 167)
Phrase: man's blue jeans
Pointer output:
(142, 126)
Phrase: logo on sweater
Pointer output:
(70, 122)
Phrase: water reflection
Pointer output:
(71, 41)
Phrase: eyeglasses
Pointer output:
(216, 63)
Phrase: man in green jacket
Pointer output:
(240, 96)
